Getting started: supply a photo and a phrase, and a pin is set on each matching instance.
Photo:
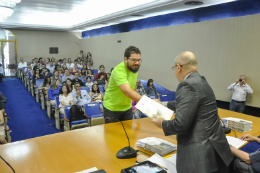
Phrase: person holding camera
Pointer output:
(240, 90)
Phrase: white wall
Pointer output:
(31, 44)
(224, 48)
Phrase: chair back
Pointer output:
(95, 72)
(39, 82)
(92, 79)
(153, 96)
(24, 69)
(85, 88)
(67, 111)
(164, 98)
(57, 101)
(101, 88)
(92, 109)
(82, 79)
(79, 68)
(29, 72)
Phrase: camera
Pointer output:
(240, 80)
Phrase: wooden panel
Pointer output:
(78, 150)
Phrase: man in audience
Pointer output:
(80, 97)
(29, 67)
(65, 63)
(102, 70)
(140, 89)
(202, 144)
(71, 70)
(121, 89)
(46, 73)
(76, 79)
(240, 89)
(244, 162)
(51, 67)
(33, 63)
(56, 62)
(66, 76)
(21, 65)
(73, 64)
(2, 112)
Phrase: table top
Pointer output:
(77, 150)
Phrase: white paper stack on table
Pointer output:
(235, 142)
(237, 124)
(150, 108)
(157, 145)
(169, 163)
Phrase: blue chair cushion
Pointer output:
(52, 106)
(143, 115)
(78, 122)
(96, 116)
(62, 116)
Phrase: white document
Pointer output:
(159, 160)
(150, 108)
(235, 142)
(89, 170)
(172, 159)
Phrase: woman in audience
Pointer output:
(64, 67)
(85, 67)
(89, 83)
(95, 94)
(89, 58)
(36, 76)
(151, 90)
(56, 76)
(81, 55)
(83, 73)
(57, 67)
(69, 83)
(53, 91)
(107, 79)
(90, 73)
(75, 69)
(53, 59)
(69, 62)
(45, 85)
(89, 66)
(61, 72)
(40, 60)
(65, 98)
(80, 65)
(101, 80)
(101, 66)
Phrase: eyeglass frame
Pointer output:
(139, 61)
(176, 66)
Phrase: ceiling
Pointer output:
(81, 15)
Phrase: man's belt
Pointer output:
(239, 101)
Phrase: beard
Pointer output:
(131, 69)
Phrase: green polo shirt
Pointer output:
(115, 99)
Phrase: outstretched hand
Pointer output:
(248, 137)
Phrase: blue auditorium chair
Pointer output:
(37, 92)
(92, 79)
(85, 88)
(164, 98)
(153, 96)
(82, 79)
(50, 108)
(79, 68)
(95, 72)
(29, 81)
(24, 68)
(101, 88)
(93, 111)
(26, 78)
(58, 118)
(7, 132)
(74, 124)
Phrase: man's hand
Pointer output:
(248, 137)
(237, 81)
(78, 92)
(243, 81)
(158, 121)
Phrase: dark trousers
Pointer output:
(1, 77)
(236, 106)
(238, 166)
(115, 116)
(221, 165)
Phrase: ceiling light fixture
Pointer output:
(7, 8)
(194, 3)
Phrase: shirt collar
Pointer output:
(187, 75)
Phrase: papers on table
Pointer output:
(168, 163)
(237, 124)
(150, 108)
(235, 142)
(88, 170)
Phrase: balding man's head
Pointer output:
(184, 64)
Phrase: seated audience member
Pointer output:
(56, 62)
(89, 83)
(151, 90)
(80, 65)
(56, 76)
(76, 79)
(21, 65)
(75, 69)
(81, 55)
(83, 73)
(71, 71)
(53, 91)
(36, 76)
(53, 59)
(65, 63)
(57, 67)
(85, 67)
(140, 89)
(43, 66)
(73, 64)
(65, 98)
(46, 73)
(89, 66)
(95, 94)
(102, 70)
(90, 73)
(89, 58)
(136, 112)
(64, 66)
(1, 73)
(47, 63)
(107, 79)
(80, 97)
(244, 162)
(67, 75)
(37, 66)
(69, 62)
(61, 72)
(2, 123)
(51, 67)
(69, 83)
(240, 89)
(45, 85)
(33, 63)
(101, 80)
(101, 66)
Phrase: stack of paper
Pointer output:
(157, 145)
(235, 142)
(168, 163)
(238, 124)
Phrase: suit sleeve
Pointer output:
(171, 105)
(186, 106)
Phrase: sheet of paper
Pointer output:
(172, 159)
(235, 142)
(150, 108)
(156, 158)
(88, 170)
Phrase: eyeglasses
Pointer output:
(176, 66)
(134, 60)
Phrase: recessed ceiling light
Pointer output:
(194, 3)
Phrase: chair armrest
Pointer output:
(66, 119)
(57, 108)
(87, 117)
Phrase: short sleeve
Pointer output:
(120, 76)
(61, 98)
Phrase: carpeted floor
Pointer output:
(28, 120)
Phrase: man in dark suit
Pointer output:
(202, 145)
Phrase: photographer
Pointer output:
(240, 90)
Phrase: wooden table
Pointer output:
(78, 150)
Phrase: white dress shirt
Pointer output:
(72, 65)
(82, 99)
(240, 92)
(21, 65)
(65, 100)
(51, 68)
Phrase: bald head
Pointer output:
(186, 59)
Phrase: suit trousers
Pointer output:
(236, 106)
(115, 116)
(221, 165)
(238, 166)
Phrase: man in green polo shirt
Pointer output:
(122, 87)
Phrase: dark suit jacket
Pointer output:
(197, 126)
